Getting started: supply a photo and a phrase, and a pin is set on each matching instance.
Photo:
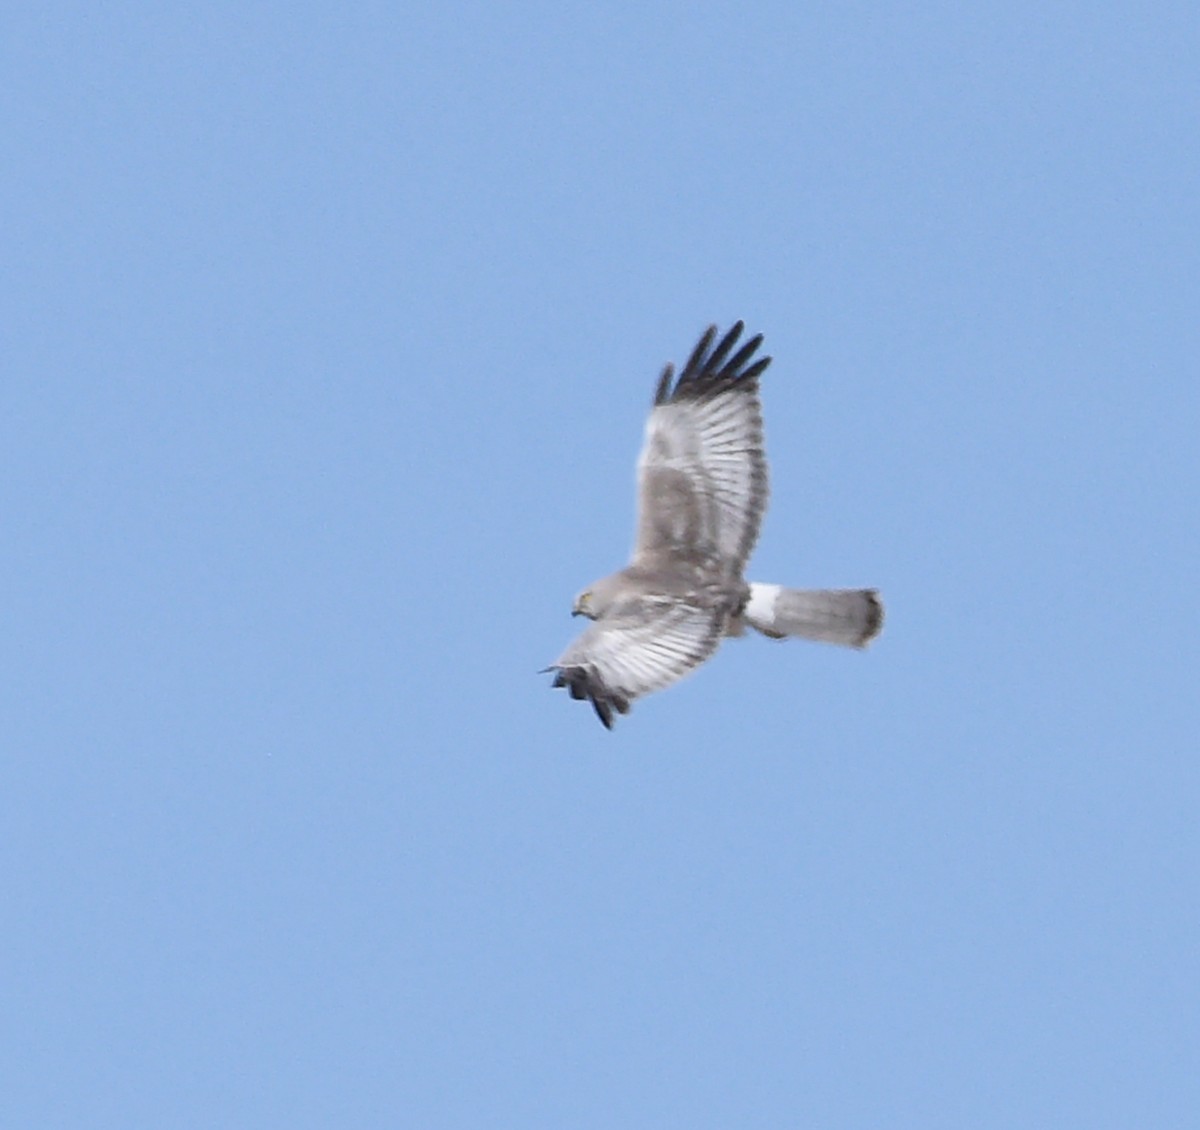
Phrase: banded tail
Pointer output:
(851, 617)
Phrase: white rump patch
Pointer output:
(760, 609)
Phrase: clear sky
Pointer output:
(328, 337)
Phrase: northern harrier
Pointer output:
(702, 490)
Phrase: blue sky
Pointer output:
(329, 336)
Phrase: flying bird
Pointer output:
(702, 491)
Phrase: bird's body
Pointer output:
(702, 491)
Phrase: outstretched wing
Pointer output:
(645, 645)
(702, 474)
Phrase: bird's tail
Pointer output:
(851, 617)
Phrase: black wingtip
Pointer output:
(663, 392)
(603, 712)
(717, 358)
(708, 368)
(695, 362)
(582, 685)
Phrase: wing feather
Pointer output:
(702, 474)
(650, 644)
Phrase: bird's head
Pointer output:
(598, 597)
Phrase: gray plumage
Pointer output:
(702, 491)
